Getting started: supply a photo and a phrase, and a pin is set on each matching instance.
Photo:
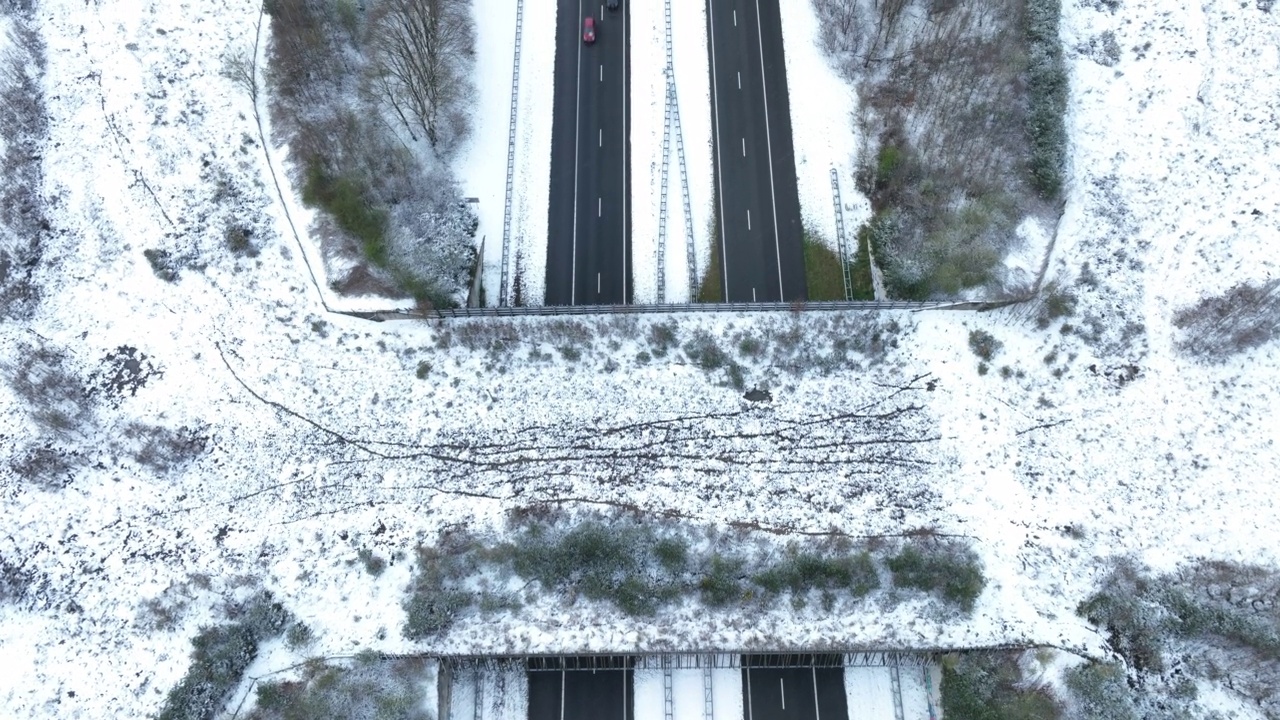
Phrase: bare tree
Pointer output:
(422, 51)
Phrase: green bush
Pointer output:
(1058, 303)
(802, 572)
(751, 346)
(436, 594)
(720, 585)
(629, 566)
(299, 635)
(220, 656)
(950, 570)
(986, 686)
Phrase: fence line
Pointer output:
(841, 243)
(511, 162)
(811, 306)
(684, 188)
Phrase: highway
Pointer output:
(757, 203)
(589, 225)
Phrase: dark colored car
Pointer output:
(589, 30)
(613, 4)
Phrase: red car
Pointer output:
(589, 30)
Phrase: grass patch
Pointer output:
(347, 201)
(822, 273)
(711, 289)
(863, 284)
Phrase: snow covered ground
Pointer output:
(1051, 473)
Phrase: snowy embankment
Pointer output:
(1102, 441)
(823, 127)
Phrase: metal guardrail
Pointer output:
(841, 243)
(693, 661)
(511, 161)
(811, 306)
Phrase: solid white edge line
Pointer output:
(626, 46)
(562, 679)
(817, 713)
(577, 128)
(750, 713)
(764, 87)
(715, 101)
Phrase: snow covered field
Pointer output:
(1051, 473)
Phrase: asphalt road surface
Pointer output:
(758, 206)
(589, 227)
(801, 693)
(581, 695)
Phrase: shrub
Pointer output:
(1245, 317)
(436, 595)
(802, 572)
(751, 346)
(299, 635)
(373, 564)
(663, 337)
(54, 396)
(1099, 692)
(704, 351)
(629, 566)
(24, 125)
(984, 344)
(987, 686)
(1058, 303)
(720, 584)
(46, 467)
(347, 200)
(238, 241)
(1211, 603)
(163, 449)
(424, 369)
(369, 686)
(950, 570)
(219, 659)
(1047, 96)
(163, 264)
